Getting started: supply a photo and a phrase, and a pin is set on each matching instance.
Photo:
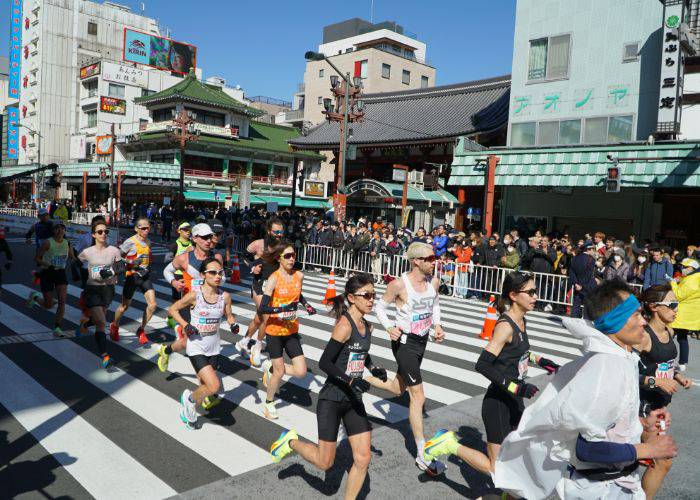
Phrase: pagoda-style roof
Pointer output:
(191, 90)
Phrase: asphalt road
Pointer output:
(35, 466)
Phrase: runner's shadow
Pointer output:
(477, 484)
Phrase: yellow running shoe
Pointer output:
(444, 442)
(163, 358)
(281, 448)
(211, 401)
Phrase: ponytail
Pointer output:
(338, 306)
(514, 282)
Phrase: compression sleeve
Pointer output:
(436, 310)
(266, 308)
(302, 300)
(169, 273)
(328, 359)
(383, 318)
(369, 363)
(484, 365)
(604, 452)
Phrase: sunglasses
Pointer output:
(213, 272)
(102, 231)
(671, 305)
(206, 237)
(366, 295)
(278, 233)
(429, 258)
(145, 228)
(531, 292)
(289, 255)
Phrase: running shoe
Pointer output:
(189, 408)
(31, 300)
(59, 334)
(211, 401)
(267, 372)
(682, 367)
(242, 346)
(171, 322)
(281, 448)
(270, 411)
(433, 468)
(106, 361)
(142, 336)
(83, 328)
(444, 442)
(256, 354)
(188, 425)
(163, 358)
(114, 331)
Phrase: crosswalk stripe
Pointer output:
(72, 441)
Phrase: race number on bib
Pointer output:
(95, 272)
(665, 370)
(287, 315)
(523, 364)
(59, 261)
(356, 364)
(421, 323)
(208, 326)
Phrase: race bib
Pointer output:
(421, 323)
(287, 315)
(59, 261)
(523, 364)
(196, 285)
(208, 326)
(665, 370)
(95, 272)
(356, 364)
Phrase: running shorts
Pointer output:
(135, 282)
(329, 414)
(277, 345)
(199, 361)
(409, 357)
(51, 278)
(98, 295)
(501, 414)
(257, 288)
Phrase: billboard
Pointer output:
(90, 70)
(314, 189)
(78, 147)
(129, 75)
(158, 52)
(113, 105)
(671, 82)
(13, 133)
(15, 49)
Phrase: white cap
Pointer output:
(201, 230)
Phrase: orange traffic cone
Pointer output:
(235, 271)
(489, 320)
(330, 290)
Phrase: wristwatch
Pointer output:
(651, 382)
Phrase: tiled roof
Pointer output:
(422, 114)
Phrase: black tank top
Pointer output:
(195, 262)
(659, 362)
(267, 268)
(513, 358)
(351, 360)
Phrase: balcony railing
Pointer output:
(211, 175)
(294, 115)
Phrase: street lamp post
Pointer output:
(182, 132)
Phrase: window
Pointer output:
(548, 133)
(91, 87)
(320, 100)
(92, 28)
(116, 90)
(363, 69)
(162, 115)
(386, 70)
(549, 58)
(424, 82)
(163, 158)
(596, 130)
(143, 123)
(91, 118)
(208, 118)
(140, 158)
(523, 134)
(146, 92)
(570, 132)
(406, 77)
(620, 128)
(320, 73)
(630, 52)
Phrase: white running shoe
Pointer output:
(270, 411)
(256, 354)
(242, 346)
(682, 367)
(548, 308)
(433, 469)
(266, 369)
(189, 408)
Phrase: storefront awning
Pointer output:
(208, 196)
(395, 191)
(286, 201)
(641, 165)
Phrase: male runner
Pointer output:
(181, 245)
(218, 241)
(137, 253)
(260, 272)
(417, 311)
(42, 230)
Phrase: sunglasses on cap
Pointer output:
(530, 291)
(102, 231)
(289, 255)
(213, 272)
(206, 237)
(671, 305)
(366, 295)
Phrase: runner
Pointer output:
(344, 360)
(137, 253)
(581, 437)
(260, 271)
(504, 361)
(417, 311)
(659, 377)
(280, 300)
(189, 264)
(218, 241)
(208, 304)
(181, 245)
(104, 263)
(52, 258)
(42, 230)
(84, 241)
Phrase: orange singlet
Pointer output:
(287, 290)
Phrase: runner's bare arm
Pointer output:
(228, 309)
(40, 254)
(174, 310)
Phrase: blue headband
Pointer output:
(614, 320)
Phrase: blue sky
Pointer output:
(260, 44)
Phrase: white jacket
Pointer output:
(596, 396)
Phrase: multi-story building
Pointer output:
(385, 56)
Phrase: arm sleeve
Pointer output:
(266, 308)
(381, 308)
(604, 452)
(484, 365)
(169, 272)
(369, 362)
(302, 300)
(328, 359)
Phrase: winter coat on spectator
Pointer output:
(440, 244)
(492, 255)
(521, 246)
(612, 272)
(377, 246)
(581, 272)
(512, 260)
(657, 273)
(538, 260)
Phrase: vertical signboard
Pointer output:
(15, 48)
(12, 133)
(671, 85)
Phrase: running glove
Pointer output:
(523, 389)
(235, 328)
(190, 330)
(310, 309)
(378, 372)
(549, 365)
(227, 272)
(361, 384)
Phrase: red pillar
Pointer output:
(459, 212)
(490, 187)
(85, 176)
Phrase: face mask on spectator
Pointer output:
(641, 259)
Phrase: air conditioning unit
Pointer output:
(415, 177)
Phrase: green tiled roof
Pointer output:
(641, 165)
(256, 199)
(192, 90)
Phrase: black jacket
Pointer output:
(538, 260)
(492, 255)
(582, 272)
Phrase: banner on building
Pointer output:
(89, 70)
(113, 105)
(158, 52)
(13, 133)
(78, 147)
(671, 84)
(104, 144)
(15, 49)
(315, 189)
(127, 75)
(246, 187)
